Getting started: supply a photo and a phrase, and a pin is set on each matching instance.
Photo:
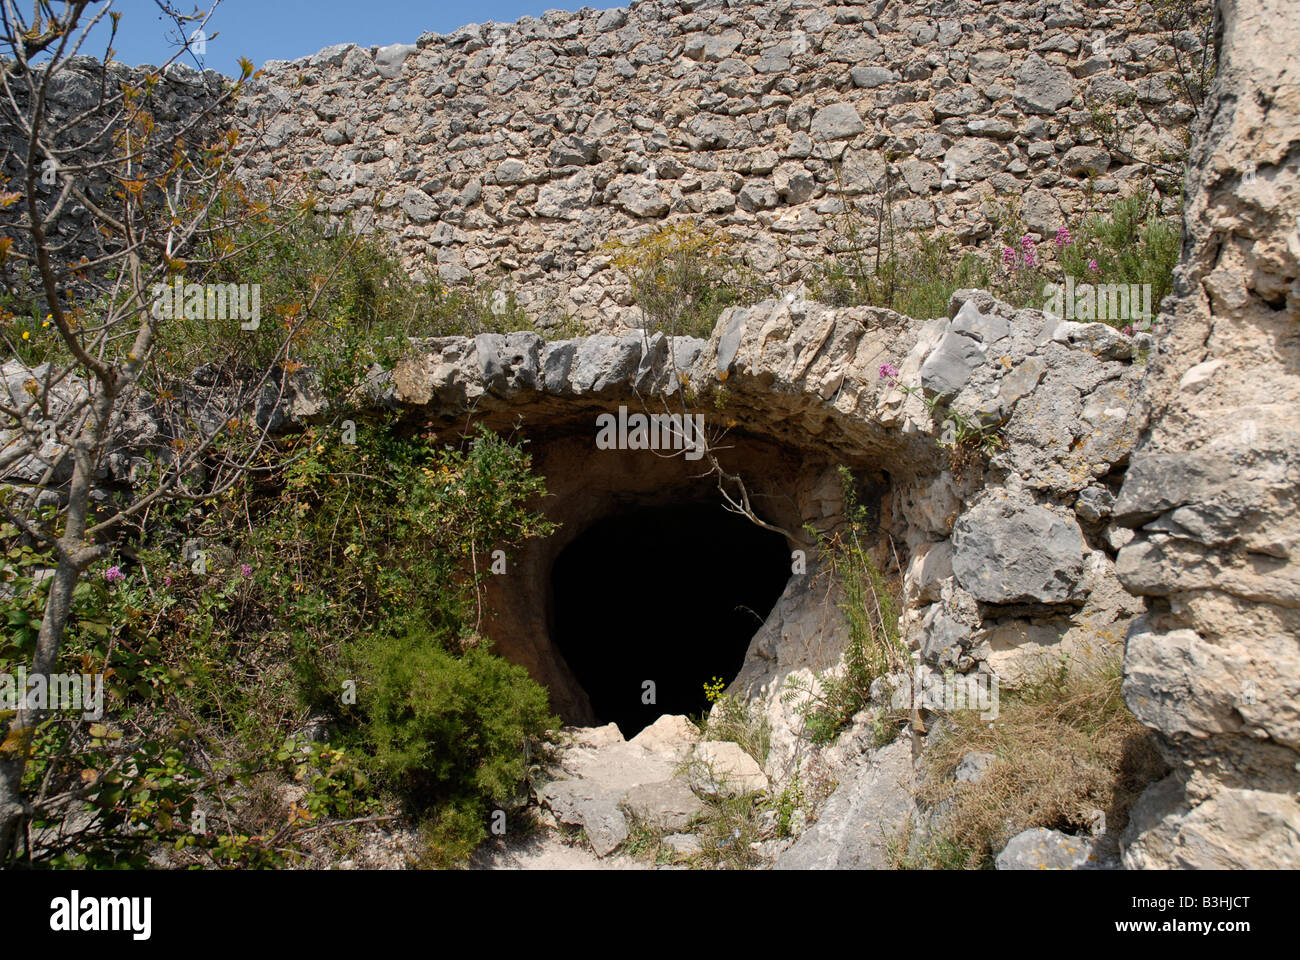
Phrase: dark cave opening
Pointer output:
(670, 595)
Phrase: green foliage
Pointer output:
(733, 720)
(683, 275)
(871, 609)
(450, 833)
(873, 263)
(915, 278)
(1131, 245)
(342, 293)
(909, 850)
(447, 726)
(790, 801)
(727, 828)
(360, 563)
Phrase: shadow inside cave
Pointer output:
(667, 595)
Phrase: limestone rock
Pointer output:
(665, 805)
(670, 736)
(1041, 87)
(973, 767)
(1043, 849)
(682, 844)
(868, 811)
(839, 121)
(580, 803)
(1212, 666)
(722, 768)
(1009, 551)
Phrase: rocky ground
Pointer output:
(644, 803)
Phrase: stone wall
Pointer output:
(513, 152)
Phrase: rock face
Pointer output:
(519, 149)
(866, 815)
(1213, 490)
(1010, 563)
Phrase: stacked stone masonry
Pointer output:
(512, 153)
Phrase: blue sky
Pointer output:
(284, 29)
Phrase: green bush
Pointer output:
(684, 275)
(915, 279)
(347, 293)
(1131, 245)
(446, 727)
(360, 563)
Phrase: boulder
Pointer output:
(1007, 550)
(867, 814)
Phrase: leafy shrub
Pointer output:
(683, 275)
(358, 562)
(347, 294)
(1129, 245)
(446, 727)
(916, 278)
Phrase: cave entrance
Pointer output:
(667, 594)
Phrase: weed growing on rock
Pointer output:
(915, 279)
(684, 275)
(734, 721)
(1065, 746)
(871, 608)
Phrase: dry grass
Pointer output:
(1066, 745)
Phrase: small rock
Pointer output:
(839, 121)
(682, 844)
(974, 767)
(722, 768)
(1043, 849)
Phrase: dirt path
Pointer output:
(547, 852)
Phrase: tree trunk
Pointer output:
(75, 555)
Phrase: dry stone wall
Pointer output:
(513, 152)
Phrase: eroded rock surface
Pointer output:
(1214, 486)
